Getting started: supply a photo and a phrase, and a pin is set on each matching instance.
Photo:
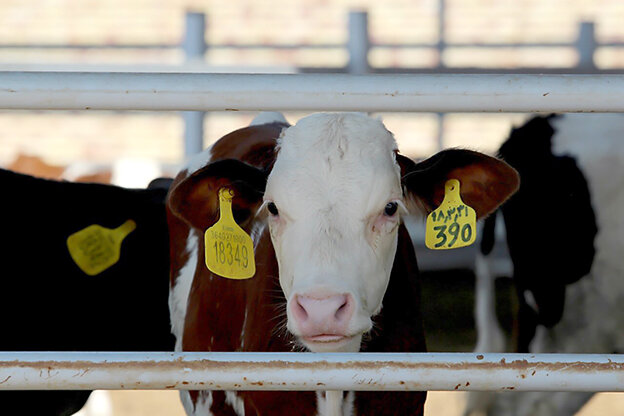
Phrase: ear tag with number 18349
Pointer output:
(229, 249)
(453, 223)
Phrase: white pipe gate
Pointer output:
(312, 92)
(311, 371)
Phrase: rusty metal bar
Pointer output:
(308, 371)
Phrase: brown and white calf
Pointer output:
(336, 270)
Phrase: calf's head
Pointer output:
(333, 201)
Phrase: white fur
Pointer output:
(594, 308)
(267, 117)
(333, 176)
(231, 398)
(490, 336)
(178, 295)
(203, 405)
(99, 404)
(135, 172)
(256, 231)
(332, 403)
(198, 161)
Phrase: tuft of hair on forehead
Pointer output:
(335, 159)
(336, 134)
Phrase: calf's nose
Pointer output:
(317, 315)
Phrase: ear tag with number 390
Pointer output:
(229, 249)
(453, 223)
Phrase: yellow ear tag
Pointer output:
(229, 249)
(96, 248)
(453, 223)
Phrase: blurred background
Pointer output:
(561, 36)
(268, 36)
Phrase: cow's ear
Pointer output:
(196, 199)
(485, 182)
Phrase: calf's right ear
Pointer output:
(195, 199)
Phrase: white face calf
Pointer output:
(333, 201)
(333, 198)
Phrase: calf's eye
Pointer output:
(390, 209)
(272, 208)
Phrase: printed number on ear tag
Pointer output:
(96, 248)
(453, 223)
(229, 249)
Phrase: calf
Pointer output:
(565, 241)
(336, 270)
(50, 304)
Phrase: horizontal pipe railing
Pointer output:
(311, 92)
(99, 46)
(290, 46)
(308, 371)
(80, 46)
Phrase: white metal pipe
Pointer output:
(312, 92)
(194, 43)
(193, 132)
(194, 49)
(358, 43)
(308, 371)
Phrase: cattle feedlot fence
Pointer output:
(311, 92)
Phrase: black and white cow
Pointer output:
(565, 234)
(51, 305)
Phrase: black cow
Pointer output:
(50, 304)
(550, 226)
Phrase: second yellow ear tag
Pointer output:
(453, 223)
(229, 249)
(96, 248)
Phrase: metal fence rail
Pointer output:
(309, 371)
(311, 92)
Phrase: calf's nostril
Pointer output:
(300, 310)
(344, 311)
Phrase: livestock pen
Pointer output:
(311, 92)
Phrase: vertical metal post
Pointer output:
(441, 46)
(194, 49)
(586, 46)
(358, 43)
(441, 31)
(440, 136)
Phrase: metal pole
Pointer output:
(586, 46)
(358, 43)
(309, 371)
(194, 50)
(441, 46)
(441, 31)
(311, 92)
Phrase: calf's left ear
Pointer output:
(196, 199)
(485, 182)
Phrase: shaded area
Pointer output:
(448, 299)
